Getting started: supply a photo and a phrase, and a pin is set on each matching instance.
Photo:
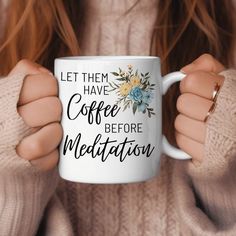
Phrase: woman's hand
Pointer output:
(194, 103)
(40, 109)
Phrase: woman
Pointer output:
(188, 198)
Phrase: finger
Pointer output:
(41, 112)
(205, 62)
(36, 87)
(196, 130)
(201, 83)
(193, 106)
(47, 162)
(40, 143)
(193, 148)
(27, 67)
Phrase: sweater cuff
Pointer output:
(12, 126)
(220, 141)
(24, 189)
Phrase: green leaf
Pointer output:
(112, 85)
(144, 87)
(127, 79)
(117, 86)
(128, 102)
(120, 70)
(135, 106)
(146, 73)
(142, 74)
(136, 72)
(121, 79)
(111, 90)
(115, 73)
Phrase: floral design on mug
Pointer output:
(134, 90)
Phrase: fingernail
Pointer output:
(44, 70)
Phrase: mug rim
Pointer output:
(104, 58)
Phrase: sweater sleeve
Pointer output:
(206, 194)
(24, 190)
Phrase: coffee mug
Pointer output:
(112, 118)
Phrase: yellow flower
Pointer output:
(125, 88)
(135, 80)
(130, 67)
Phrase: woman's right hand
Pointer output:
(40, 108)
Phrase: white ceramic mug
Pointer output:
(112, 118)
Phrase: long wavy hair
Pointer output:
(185, 29)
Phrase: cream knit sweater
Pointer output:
(183, 200)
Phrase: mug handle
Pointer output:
(167, 148)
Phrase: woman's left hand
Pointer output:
(194, 103)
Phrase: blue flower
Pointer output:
(142, 107)
(136, 94)
(147, 96)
